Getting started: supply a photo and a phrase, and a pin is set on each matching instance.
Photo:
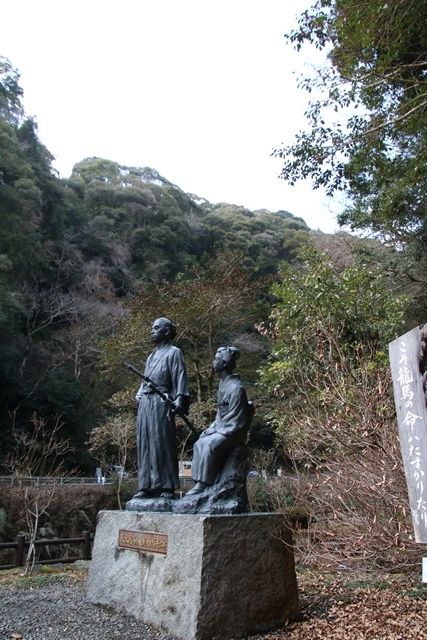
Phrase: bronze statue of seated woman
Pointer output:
(219, 455)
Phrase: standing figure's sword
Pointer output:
(164, 397)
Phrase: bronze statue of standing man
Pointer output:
(156, 433)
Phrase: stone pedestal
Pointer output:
(222, 576)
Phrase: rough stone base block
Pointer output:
(223, 576)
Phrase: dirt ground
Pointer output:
(345, 605)
(357, 606)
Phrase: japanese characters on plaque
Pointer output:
(147, 541)
(412, 419)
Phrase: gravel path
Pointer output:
(58, 611)
(389, 607)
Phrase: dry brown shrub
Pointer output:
(349, 502)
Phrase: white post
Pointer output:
(424, 567)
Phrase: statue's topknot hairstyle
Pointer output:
(230, 355)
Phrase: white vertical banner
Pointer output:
(409, 397)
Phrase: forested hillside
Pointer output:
(74, 253)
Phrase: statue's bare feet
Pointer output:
(200, 486)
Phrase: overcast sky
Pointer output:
(200, 90)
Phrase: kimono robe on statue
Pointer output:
(229, 430)
(155, 424)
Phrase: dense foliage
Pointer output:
(367, 122)
(330, 331)
(334, 416)
(376, 66)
